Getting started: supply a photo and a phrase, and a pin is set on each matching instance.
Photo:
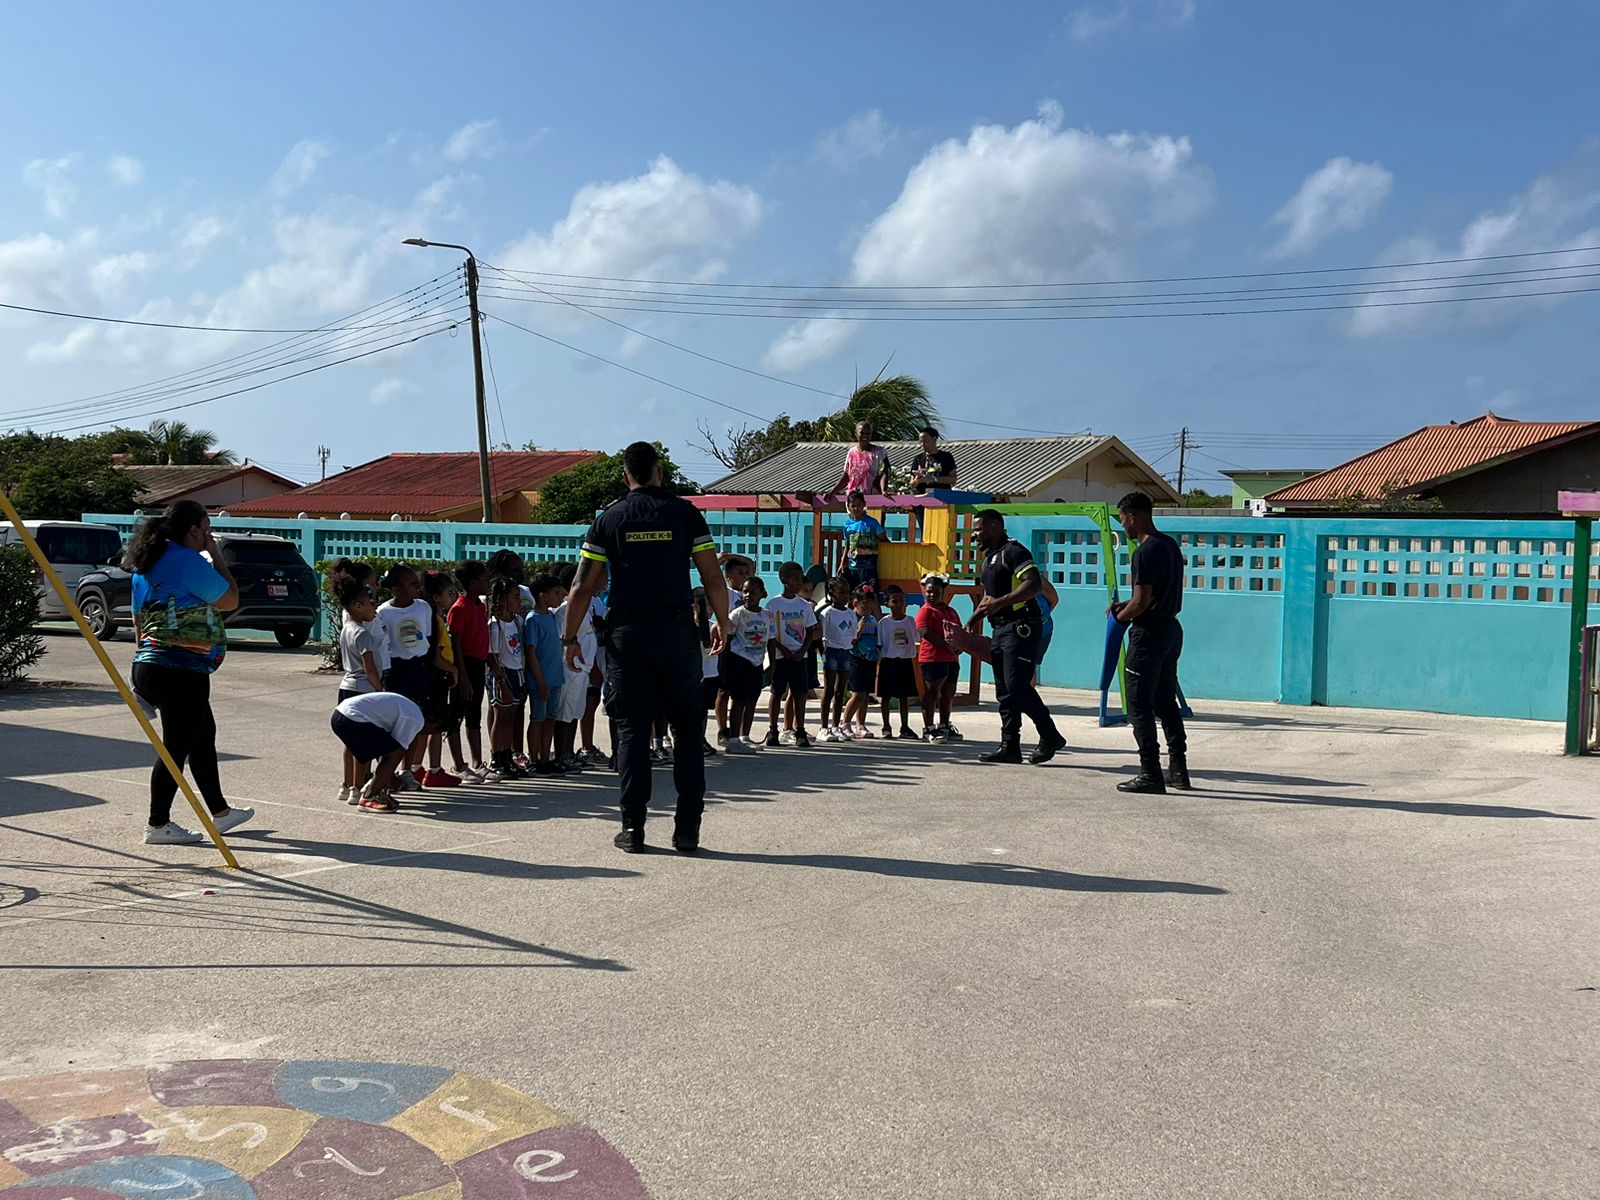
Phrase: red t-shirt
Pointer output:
(469, 621)
(931, 616)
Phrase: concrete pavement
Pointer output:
(1359, 961)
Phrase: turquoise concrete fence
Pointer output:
(1451, 616)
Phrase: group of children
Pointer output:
(418, 668)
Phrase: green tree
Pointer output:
(52, 477)
(176, 444)
(1200, 498)
(575, 495)
(20, 647)
(898, 407)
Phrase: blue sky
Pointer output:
(205, 164)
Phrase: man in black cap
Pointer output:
(645, 542)
(1010, 582)
(1155, 642)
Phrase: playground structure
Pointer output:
(1583, 665)
(937, 537)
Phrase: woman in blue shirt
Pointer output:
(178, 601)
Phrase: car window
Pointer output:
(270, 554)
(67, 544)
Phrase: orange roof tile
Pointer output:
(1428, 456)
(418, 485)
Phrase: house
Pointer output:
(1250, 486)
(215, 485)
(425, 487)
(1487, 465)
(1015, 470)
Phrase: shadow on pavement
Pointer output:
(1003, 874)
(32, 695)
(1437, 808)
(52, 751)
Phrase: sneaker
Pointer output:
(406, 781)
(787, 738)
(232, 819)
(522, 761)
(629, 841)
(595, 755)
(738, 746)
(1047, 749)
(801, 739)
(418, 774)
(437, 778)
(170, 834)
(753, 743)
(574, 763)
(906, 735)
(933, 734)
(888, 733)
(367, 789)
(513, 772)
(546, 767)
(723, 737)
(344, 793)
(952, 734)
(355, 793)
(472, 774)
(864, 733)
(491, 775)
(666, 756)
(711, 751)
(772, 739)
(383, 802)
(611, 763)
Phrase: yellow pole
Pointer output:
(115, 675)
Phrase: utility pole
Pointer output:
(477, 369)
(322, 453)
(1183, 453)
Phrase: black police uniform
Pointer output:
(1015, 644)
(1155, 642)
(653, 659)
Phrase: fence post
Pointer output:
(1298, 668)
(1582, 535)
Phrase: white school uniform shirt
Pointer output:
(839, 627)
(751, 633)
(898, 637)
(408, 631)
(505, 643)
(792, 619)
(388, 711)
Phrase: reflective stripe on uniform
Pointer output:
(592, 552)
(707, 544)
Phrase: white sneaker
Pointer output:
(753, 743)
(170, 834)
(344, 793)
(737, 746)
(405, 781)
(787, 738)
(233, 818)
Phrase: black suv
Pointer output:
(277, 590)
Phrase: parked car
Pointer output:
(74, 549)
(277, 590)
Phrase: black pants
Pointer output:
(653, 670)
(1152, 669)
(189, 731)
(1014, 649)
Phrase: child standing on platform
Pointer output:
(838, 639)
(547, 672)
(862, 533)
(507, 689)
(469, 624)
(897, 669)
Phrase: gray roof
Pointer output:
(1000, 466)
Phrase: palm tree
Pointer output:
(897, 408)
(173, 443)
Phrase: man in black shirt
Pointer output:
(1010, 583)
(933, 468)
(645, 542)
(1155, 642)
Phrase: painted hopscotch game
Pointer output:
(256, 1129)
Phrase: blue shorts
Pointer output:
(836, 660)
(512, 694)
(938, 672)
(548, 709)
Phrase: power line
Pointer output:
(505, 432)
(257, 387)
(928, 287)
(51, 312)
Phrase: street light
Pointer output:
(477, 367)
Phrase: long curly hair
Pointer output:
(151, 539)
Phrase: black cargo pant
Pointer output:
(1014, 651)
(189, 732)
(653, 669)
(1151, 666)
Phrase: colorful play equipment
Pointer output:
(1583, 665)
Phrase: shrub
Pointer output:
(20, 646)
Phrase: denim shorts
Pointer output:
(836, 660)
(547, 709)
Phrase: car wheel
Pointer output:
(293, 637)
(97, 615)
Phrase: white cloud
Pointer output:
(298, 166)
(666, 223)
(390, 389)
(52, 179)
(864, 136)
(477, 139)
(1557, 212)
(70, 348)
(111, 275)
(1103, 18)
(1034, 204)
(126, 170)
(31, 268)
(199, 233)
(1338, 197)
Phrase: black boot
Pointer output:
(629, 841)
(1005, 752)
(1049, 746)
(1178, 775)
(1144, 781)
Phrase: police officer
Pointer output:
(1011, 581)
(644, 543)
(1155, 642)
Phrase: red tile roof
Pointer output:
(1428, 456)
(417, 485)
